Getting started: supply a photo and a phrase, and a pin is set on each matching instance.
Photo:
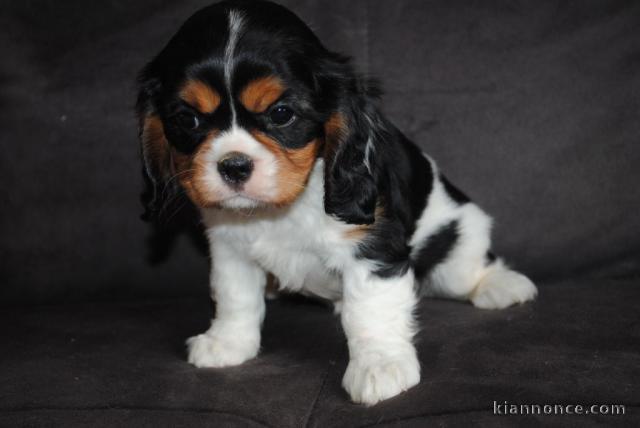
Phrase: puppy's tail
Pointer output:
(501, 287)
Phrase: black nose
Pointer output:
(235, 167)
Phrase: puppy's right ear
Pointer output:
(351, 134)
(350, 167)
(156, 156)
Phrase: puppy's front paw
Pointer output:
(373, 378)
(206, 350)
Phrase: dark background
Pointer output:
(531, 107)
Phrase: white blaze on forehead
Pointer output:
(235, 29)
(237, 139)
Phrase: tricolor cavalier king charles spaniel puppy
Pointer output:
(296, 172)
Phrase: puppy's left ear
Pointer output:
(156, 155)
(351, 167)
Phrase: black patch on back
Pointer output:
(421, 183)
(455, 193)
(437, 247)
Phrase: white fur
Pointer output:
(501, 287)
(262, 184)
(308, 251)
(377, 316)
(238, 289)
(466, 274)
(299, 244)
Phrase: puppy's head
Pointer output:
(239, 105)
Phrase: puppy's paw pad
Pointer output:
(369, 382)
(503, 288)
(209, 351)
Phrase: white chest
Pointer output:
(304, 247)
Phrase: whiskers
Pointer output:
(174, 198)
(172, 180)
(171, 192)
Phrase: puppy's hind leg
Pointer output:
(469, 272)
(500, 287)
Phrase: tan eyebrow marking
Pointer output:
(259, 94)
(200, 95)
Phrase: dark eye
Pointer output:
(281, 115)
(187, 120)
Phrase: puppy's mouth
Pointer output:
(240, 202)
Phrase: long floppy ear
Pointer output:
(156, 156)
(351, 168)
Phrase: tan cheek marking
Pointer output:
(294, 167)
(201, 96)
(259, 94)
(191, 173)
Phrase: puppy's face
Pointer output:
(233, 108)
(249, 146)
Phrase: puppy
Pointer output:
(295, 171)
